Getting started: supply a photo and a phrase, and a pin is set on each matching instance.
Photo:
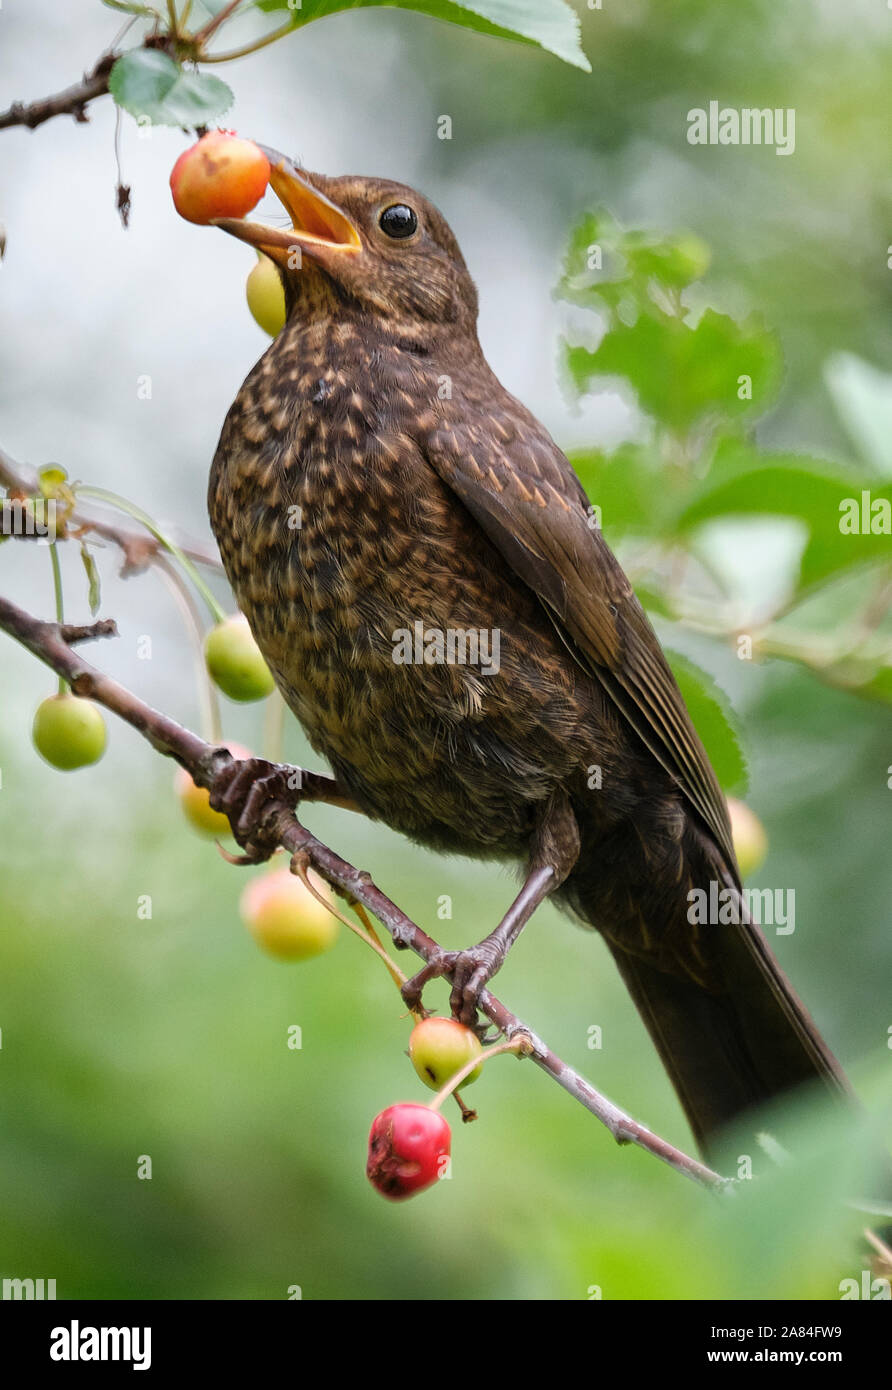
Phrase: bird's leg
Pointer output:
(244, 786)
(553, 853)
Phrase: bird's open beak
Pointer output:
(319, 228)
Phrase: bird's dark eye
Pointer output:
(398, 221)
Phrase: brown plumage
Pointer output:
(425, 493)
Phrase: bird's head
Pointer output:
(368, 241)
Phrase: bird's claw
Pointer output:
(242, 789)
(469, 971)
(412, 990)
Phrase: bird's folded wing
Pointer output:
(524, 495)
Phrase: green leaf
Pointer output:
(593, 230)
(626, 485)
(742, 482)
(95, 593)
(605, 265)
(830, 550)
(148, 83)
(674, 261)
(552, 24)
(681, 374)
(713, 718)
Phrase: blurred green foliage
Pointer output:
(549, 23)
(701, 379)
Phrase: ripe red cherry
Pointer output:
(219, 176)
(408, 1150)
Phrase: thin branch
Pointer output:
(73, 100)
(278, 820)
(70, 102)
(72, 633)
(138, 550)
(204, 33)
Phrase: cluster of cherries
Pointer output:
(409, 1143)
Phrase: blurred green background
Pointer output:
(167, 1037)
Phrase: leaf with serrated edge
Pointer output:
(148, 83)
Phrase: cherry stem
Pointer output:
(204, 33)
(369, 936)
(211, 721)
(114, 499)
(272, 37)
(520, 1045)
(397, 975)
(60, 605)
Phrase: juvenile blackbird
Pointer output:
(373, 479)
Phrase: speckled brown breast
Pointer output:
(336, 536)
(373, 475)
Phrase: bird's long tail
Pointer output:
(727, 1023)
(736, 1046)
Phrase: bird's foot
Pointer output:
(243, 789)
(469, 971)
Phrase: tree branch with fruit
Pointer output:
(292, 916)
(444, 1053)
(160, 78)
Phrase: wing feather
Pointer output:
(537, 515)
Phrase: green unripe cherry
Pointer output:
(235, 662)
(68, 732)
(439, 1047)
(265, 296)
